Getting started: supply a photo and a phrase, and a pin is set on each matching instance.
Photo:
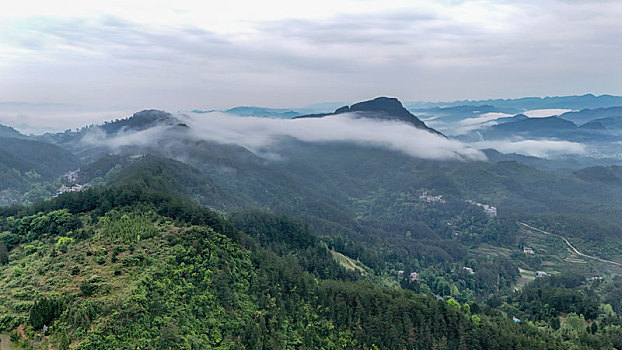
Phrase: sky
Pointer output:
(70, 63)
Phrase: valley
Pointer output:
(174, 235)
(331, 175)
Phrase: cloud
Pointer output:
(464, 126)
(218, 55)
(144, 138)
(483, 118)
(543, 113)
(536, 148)
(30, 118)
(264, 135)
(468, 125)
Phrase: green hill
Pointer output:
(132, 267)
(328, 245)
(29, 169)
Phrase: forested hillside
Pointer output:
(131, 266)
(30, 169)
(174, 241)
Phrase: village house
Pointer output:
(74, 188)
(431, 199)
(414, 276)
(488, 209)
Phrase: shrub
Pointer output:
(63, 243)
(90, 286)
(29, 249)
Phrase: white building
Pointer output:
(414, 276)
(431, 199)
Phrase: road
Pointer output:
(570, 245)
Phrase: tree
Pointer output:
(574, 322)
(593, 329)
(44, 311)
(555, 323)
(4, 254)
(453, 303)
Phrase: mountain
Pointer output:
(182, 242)
(30, 170)
(611, 175)
(495, 156)
(529, 103)
(456, 113)
(23, 162)
(244, 111)
(549, 127)
(383, 108)
(587, 115)
(131, 266)
(599, 135)
(472, 122)
(516, 118)
(614, 123)
(7, 131)
(88, 143)
(135, 265)
(263, 112)
(530, 128)
(536, 125)
(140, 121)
(593, 125)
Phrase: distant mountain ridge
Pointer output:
(609, 122)
(8, 131)
(252, 111)
(528, 103)
(611, 175)
(587, 115)
(263, 112)
(593, 125)
(536, 124)
(515, 118)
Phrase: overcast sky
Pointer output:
(121, 56)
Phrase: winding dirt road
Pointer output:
(569, 244)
